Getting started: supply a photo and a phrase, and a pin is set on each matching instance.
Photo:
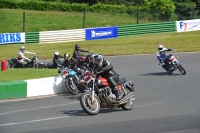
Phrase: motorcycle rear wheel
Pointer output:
(91, 108)
(128, 105)
(71, 88)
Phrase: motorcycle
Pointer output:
(99, 94)
(83, 60)
(73, 80)
(13, 63)
(173, 63)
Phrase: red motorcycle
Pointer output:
(99, 94)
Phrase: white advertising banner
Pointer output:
(188, 25)
(12, 38)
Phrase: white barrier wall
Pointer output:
(45, 86)
(62, 36)
(188, 25)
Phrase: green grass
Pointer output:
(144, 44)
(12, 19)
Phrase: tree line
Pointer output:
(184, 9)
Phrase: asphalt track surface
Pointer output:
(164, 103)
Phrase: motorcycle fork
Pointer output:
(93, 90)
(71, 81)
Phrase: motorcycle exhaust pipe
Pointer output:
(130, 96)
(127, 97)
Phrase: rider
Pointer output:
(77, 54)
(69, 61)
(56, 61)
(21, 58)
(105, 69)
(162, 57)
(90, 61)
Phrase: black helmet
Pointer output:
(98, 60)
(91, 57)
(77, 46)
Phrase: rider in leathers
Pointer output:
(77, 54)
(105, 69)
(162, 57)
(57, 63)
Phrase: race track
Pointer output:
(164, 103)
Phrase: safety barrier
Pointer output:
(62, 36)
(32, 37)
(33, 87)
(138, 29)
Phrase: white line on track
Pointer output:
(150, 104)
(54, 118)
(17, 111)
(25, 122)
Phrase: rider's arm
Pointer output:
(84, 50)
(26, 52)
(168, 49)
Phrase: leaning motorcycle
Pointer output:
(99, 95)
(73, 80)
(173, 63)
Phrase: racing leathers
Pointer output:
(78, 56)
(107, 71)
(162, 57)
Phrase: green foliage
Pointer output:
(108, 8)
(160, 8)
(185, 9)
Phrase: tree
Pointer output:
(185, 9)
(161, 9)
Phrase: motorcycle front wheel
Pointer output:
(90, 107)
(71, 87)
(181, 69)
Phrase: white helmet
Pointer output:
(160, 47)
(22, 48)
(56, 53)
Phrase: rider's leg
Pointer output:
(111, 80)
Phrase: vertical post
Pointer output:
(23, 21)
(137, 15)
(84, 19)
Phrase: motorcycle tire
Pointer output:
(181, 69)
(128, 105)
(87, 105)
(72, 89)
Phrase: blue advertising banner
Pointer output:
(101, 33)
(12, 38)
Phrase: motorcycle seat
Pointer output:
(121, 81)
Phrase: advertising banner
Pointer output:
(188, 25)
(101, 33)
(12, 38)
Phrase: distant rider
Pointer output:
(69, 61)
(21, 58)
(77, 54)
(57, 63)
(162, 57)
(105, 69)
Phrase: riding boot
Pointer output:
(119, 94)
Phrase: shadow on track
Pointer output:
(160, 74)
(83, 113)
